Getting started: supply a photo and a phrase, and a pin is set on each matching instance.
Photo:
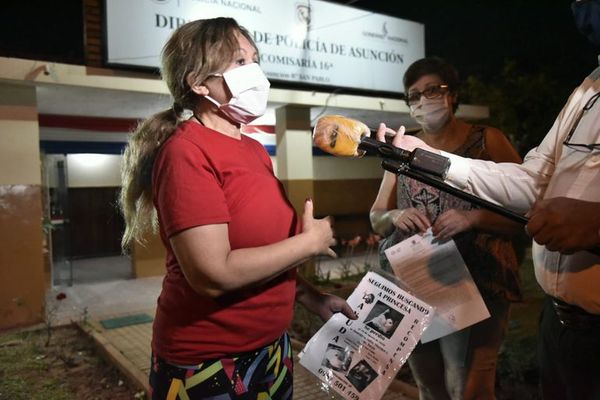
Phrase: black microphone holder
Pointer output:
(404, 169)
(430, 171)
(430, 168)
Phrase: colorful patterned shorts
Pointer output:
(264, 374)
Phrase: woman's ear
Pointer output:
(453, 96)
(197, 87)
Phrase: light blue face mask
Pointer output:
(431, 114)
(587, 19)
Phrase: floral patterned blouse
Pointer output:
(491, 259)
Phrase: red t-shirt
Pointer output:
(202, 177)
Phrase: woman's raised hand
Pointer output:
(320, 230)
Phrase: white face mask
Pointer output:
(431, 114)
(249, 88)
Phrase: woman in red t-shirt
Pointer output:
(231, 235)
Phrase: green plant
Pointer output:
(518, 359)
(51, 306)
(346, 261)
(69, 368)
(372, 246)
(47, 226)
(22, 359)
(305, 324)
(322, 275)
(517, 368)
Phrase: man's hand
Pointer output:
(406, 142)
(565, 225)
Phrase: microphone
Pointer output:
(418, 159)
(348, 137)
(340, 136)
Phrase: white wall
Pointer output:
(94, 170)
(103, 170)
(85, 170)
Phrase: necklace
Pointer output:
(197, 119)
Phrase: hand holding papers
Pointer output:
(435, 272)
(358, 359)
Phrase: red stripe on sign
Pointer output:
(88, 123)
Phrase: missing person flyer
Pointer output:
(359, 358)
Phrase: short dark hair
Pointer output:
(432, 66)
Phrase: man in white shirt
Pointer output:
(558, 187)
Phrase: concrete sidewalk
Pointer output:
(128, 347)
(105, 298)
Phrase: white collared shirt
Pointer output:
(550, 170)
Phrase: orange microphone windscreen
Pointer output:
(340, 136)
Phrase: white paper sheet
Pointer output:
(435, 272)
(358, 359)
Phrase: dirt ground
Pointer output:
(68, 368)
(71, 368)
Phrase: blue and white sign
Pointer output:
(307, 41)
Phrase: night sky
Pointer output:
(478, 36)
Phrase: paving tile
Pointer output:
(134, 343)
(91, 303)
